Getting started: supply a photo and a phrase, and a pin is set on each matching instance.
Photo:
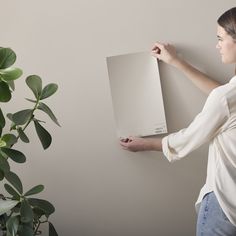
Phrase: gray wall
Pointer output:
(98, 188)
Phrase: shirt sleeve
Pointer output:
(206, 125)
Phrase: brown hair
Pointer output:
(228, 21)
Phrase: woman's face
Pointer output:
(226, 46)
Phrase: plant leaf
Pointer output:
(1, 175)
(26, 212)
(13, 125)
(38, 213)
(2, 143)
(14, 180)
(22, 135)
(11, 73)
(43, 107)
(35, 190)
(30, 100)
(7, 57)
(52, 230)
(21, 117)
(12, 225)
(7, 205)
(26, 230)
(12, 191)
(15, 155)
(48, 91)
(4, 165)
(11, 84)
(10, 139)
(44, 205)
(9, 116)
(2, 119)
(43, 135)
(5, 93)
(34, 82)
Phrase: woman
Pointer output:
(216, 123)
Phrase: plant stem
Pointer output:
(37, 227)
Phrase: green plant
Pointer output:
(20, 214)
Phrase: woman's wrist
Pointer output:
(155, 144)
(177, 62)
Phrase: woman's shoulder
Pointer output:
(223, 91)
(223, 96)
(218, 96)
(218, 92)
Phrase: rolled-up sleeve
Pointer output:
(205, 126)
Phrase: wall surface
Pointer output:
(99, 189)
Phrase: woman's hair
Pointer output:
(228, 21)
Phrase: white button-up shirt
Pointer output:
(216, 124)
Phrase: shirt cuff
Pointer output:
(167, 150)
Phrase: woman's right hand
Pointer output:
(165, 52)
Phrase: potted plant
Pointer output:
(20, 213)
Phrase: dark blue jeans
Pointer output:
(212, 221)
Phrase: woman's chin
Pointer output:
(227, 61)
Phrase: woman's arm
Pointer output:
(167, 53)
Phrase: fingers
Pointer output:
(126, 140)
(158, 45)
(126, 143)
(164, 52)
(157, 49)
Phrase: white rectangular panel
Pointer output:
(136, 94)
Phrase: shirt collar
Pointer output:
(233, 80)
